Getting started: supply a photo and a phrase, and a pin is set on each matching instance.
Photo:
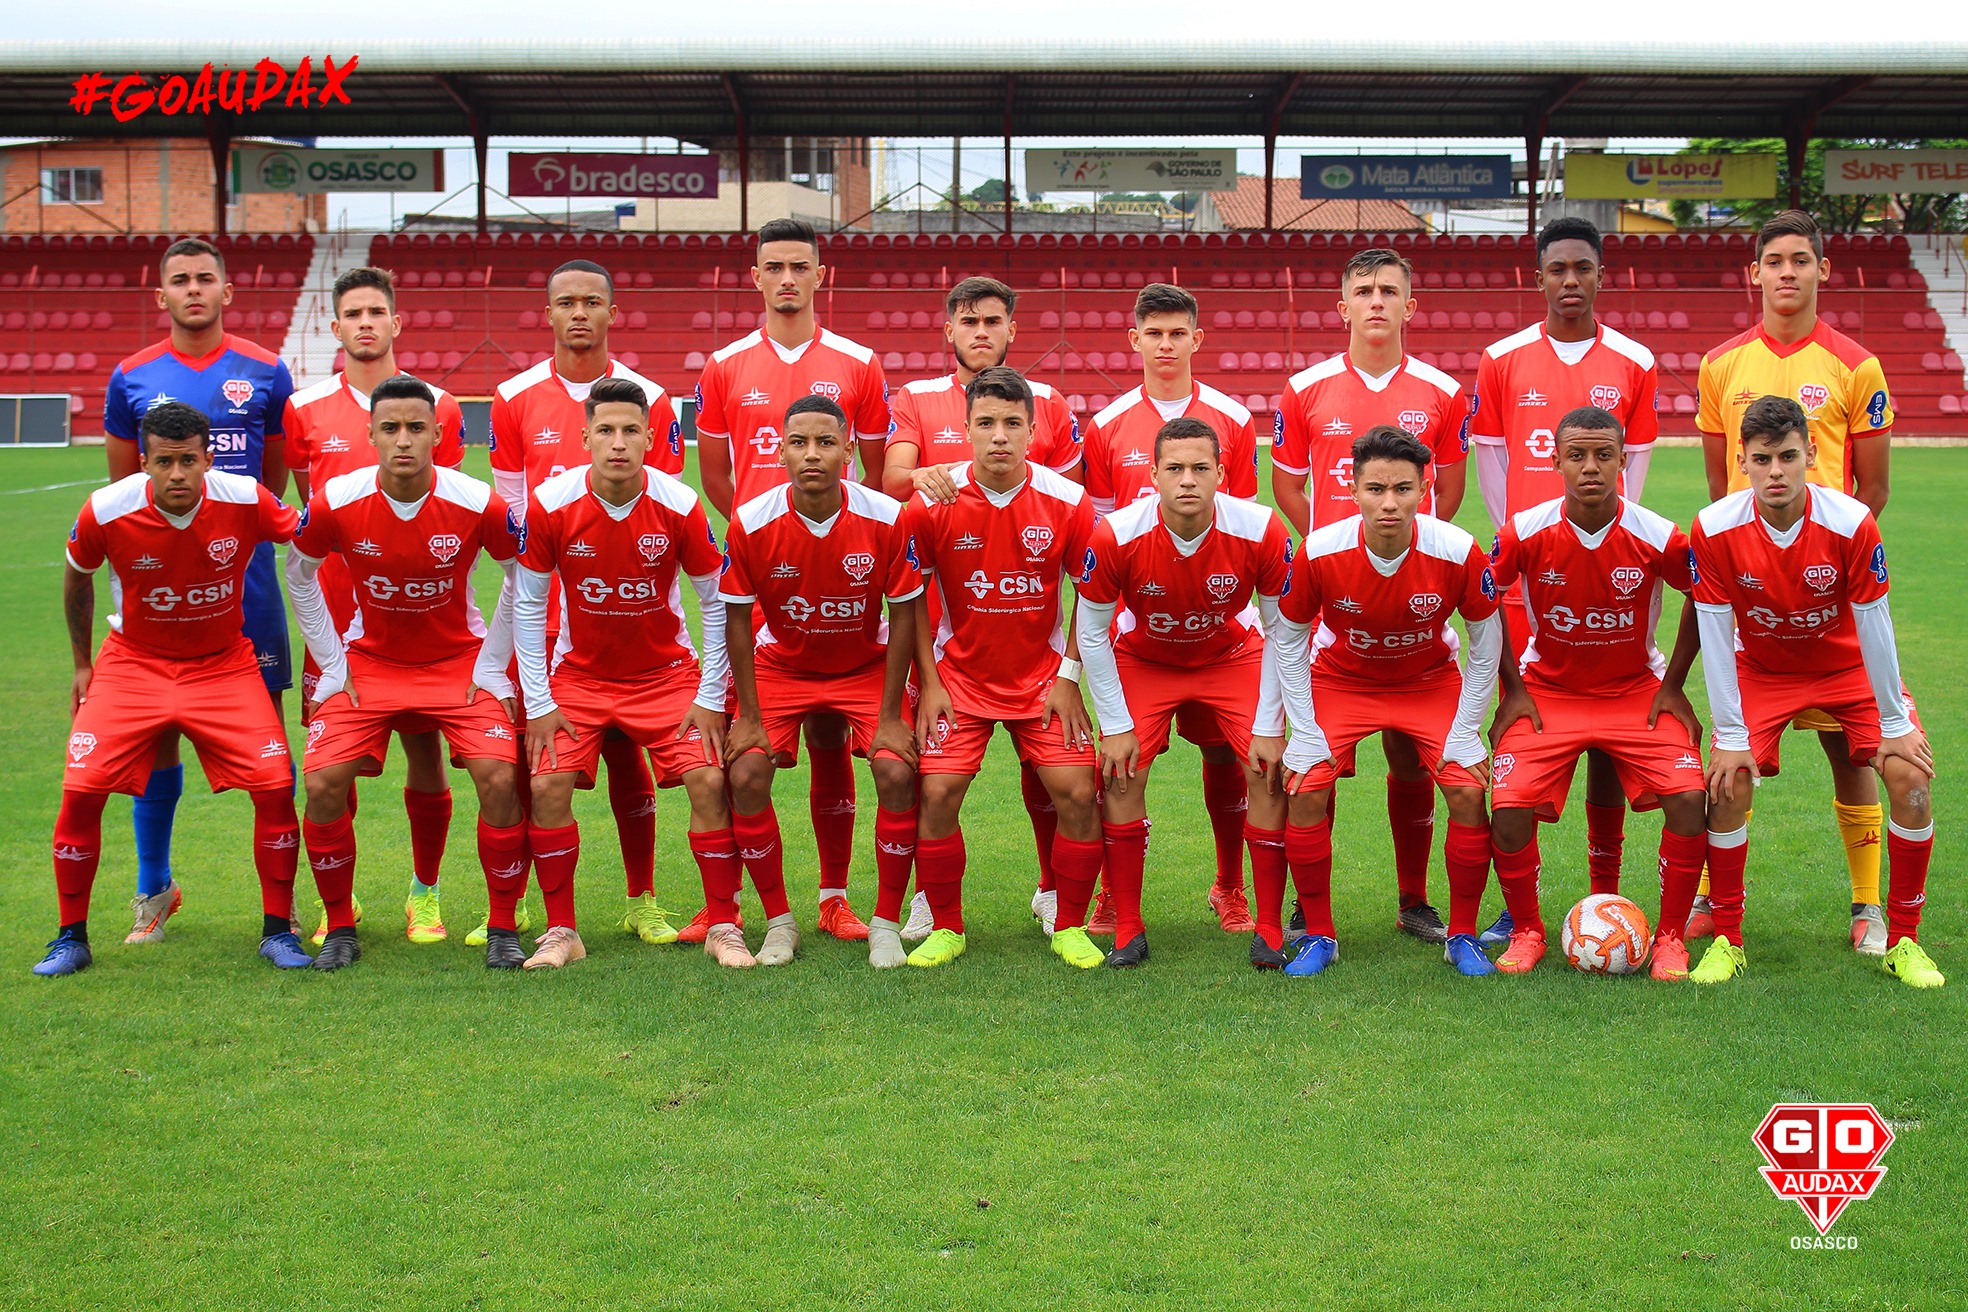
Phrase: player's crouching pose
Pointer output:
(1591, 565)
(1183, 565)
(1796, 574)
(1386, 583)
(419, 655)
(999, 554)
(178, 536)
(813, 562)
(618, 533)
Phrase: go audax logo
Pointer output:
(1823, 1156)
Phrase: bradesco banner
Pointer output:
(306, 172)
(1872, 172)
(1670, 177)
(1403, 177)
(1131, 170)
(628, 176)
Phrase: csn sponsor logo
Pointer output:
(1823, 1156)
(1194, 624)
(236, 91)
(1007, 584)
(1563, 619)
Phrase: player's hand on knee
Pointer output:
(933, 709)
(1267, 752)
(895, 737)
(746, 734)
(1064, 702)
(1119, 754)
(1911, 748)
(1723, 768)
(709, 725)
(540, 730)
(1515, 704)
(1674, 701)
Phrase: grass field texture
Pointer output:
(185, 1128)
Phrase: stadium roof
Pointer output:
(1258, 85)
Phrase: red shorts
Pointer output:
(1534, 769)
(647, 713)
(786, 700)
(1770, 703)
(408, 699)
(217, 701)
(1348, 713)
(1219, 701)
(959, 748)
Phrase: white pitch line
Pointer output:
(49, 487)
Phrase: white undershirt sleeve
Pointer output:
(1636, 473)
(1874, 620)
(1269, 719)
(1725, 706)
(495, 654)
(1465, 745)
(510, 484)
(317, 625)
(717, 657)
(1103, 675)
(1492, 471)
(1292, 668)
(531, 589)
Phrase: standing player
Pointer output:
(1185, 565)
(1591, 565)
(241, 388)
(617, 534)
(1525, 382)
(1843, 392)
(327, 431)
(418, 652)
(930, 439)
(1382, 587)
(999, 555)
(537, 425)
(1794, 617)
(741, 401)
(177, 537)
(1375, 381)
(1120, 467)
(815, 560)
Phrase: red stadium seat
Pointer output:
(1684, 404)
(1950, 404)
(1931, 361)
(892, 361)
(1227, 362)
(1222, 319)
(694, 361)
(877, 320)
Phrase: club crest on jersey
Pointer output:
(859, 565)
(222, 550)
(1627, 578)
(238, 390)
(1813, 395)
(1413, 422)
(1501, 765)
(1221, 586)
(1878, 562)
(79, 746)
(1822, 578)
(652, 545)
(1425, 604)
(832, 391)
(1037, 538)
(446, 546)
(1605, 396)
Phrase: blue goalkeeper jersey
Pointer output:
(242, 387)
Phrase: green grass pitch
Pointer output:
(182, 1127)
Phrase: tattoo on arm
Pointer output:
(79, 609)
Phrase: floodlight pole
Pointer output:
(744, 155)
(1010, 80)
(221, 143)
(1278, 107)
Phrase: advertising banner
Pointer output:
(1872, 172)
(305, 172)
(1670, 177)
(1131, 170)
(1403, 177)
(561, 173)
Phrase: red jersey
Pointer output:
(998, 562)
(539, 420)
(621, 602)
(1594, 601)
(817, 590)
(327, 427)
(1793, 602)
(746, 387)
(178, 585)
(1329, 405)
(1182, 607)
(1524, 387)
(413, 595)
(1387, 625)
(1120, 446)
(931, 415)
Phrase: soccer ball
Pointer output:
(1606, 935)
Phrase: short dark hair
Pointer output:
(190, 246)
(402, 387)
(1571, 228)
(1372, 260)
(813, 403)
(174, 421)
(584, 266)
(1001, 383)
(1183, 428)
(379, 279)
(1790, 223)
(1386, 442)
(1593, 419)
(1165, 298)
(789, 230)
(972, 290)
(1773, 418)
(616, 391)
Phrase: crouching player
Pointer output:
(999, 554)
(1592, 564)
(1386, 582)
(812, 561)
(618, 533)
(1183, 564)
(418, 657)
(177, 537)
(1798, 573)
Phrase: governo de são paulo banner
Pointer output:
(1131, 170)
(1670, 177)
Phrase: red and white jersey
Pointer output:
(1524, 387)
(1385, 624)
(746, 387)
(1792, 600)
(998, 563)
(1120, 445)
(178, 583)
(539, 420)
(931, 415)
(817, 589)
(1594, 599)
(412, 564)
(621, 600)
(1329, 405)
(327, 427)
(1183, 603)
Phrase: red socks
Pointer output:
(1681, 857)
(760, 852)
(430, 829)
(78, 850)
(1908, 851)
(556, 852)
(939, 873)
(1226, 799)
(1605, 843)
(331, 856)
(1728, 857)
(1517, 872)
(895, 859)
(1045, 821)
(716, 852)
(632, 797)
(276, 850)
(1076, 864)
(1267, 861)
(831, 804)
(1127, 857)
(503, 855)
(1468, 854)
(1309, 851)
(1411, 819)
